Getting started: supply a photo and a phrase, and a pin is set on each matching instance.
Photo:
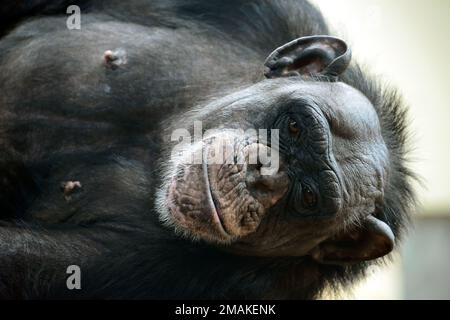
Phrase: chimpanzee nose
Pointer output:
(267, 189)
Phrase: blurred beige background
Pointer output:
(408, 44)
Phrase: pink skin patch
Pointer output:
(69, 187)
(115, 58)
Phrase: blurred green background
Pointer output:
(407, 43)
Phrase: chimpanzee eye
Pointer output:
(308, 197)
(294, 128)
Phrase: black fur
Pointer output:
(124, 252)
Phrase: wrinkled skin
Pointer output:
(352, 150)
(88, 177)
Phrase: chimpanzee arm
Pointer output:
(73, 223)
(31, 257)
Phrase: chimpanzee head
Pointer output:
(308, 162)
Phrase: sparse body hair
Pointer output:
(86, 118)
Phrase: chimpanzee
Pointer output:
(89, 176)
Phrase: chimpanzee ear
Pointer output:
(371, 241)
(314, 55)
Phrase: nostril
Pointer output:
(267, 189)
(309, 198)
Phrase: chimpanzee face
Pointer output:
(291, 166)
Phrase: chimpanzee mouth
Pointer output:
(192, 208)
(213, 203)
